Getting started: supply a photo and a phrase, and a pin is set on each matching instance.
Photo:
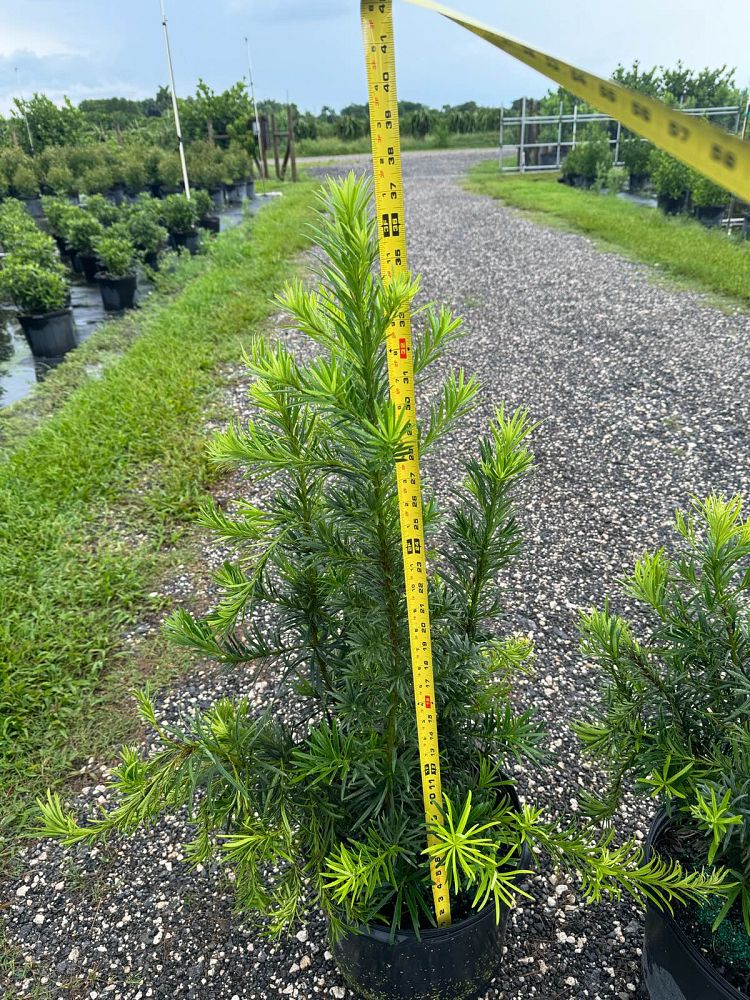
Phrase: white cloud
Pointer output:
(17, 39)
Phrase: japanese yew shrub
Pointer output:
(676, 703)
(326, 802)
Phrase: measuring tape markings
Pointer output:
(377, 27)
(718, 155)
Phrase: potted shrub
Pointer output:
(58, 212)
(98, 179)
(671, 180)
(636, 154)
(330, 809)
(179, 216)
(41, 296)
(104, 210)
(25, 185)
(149, 238)
(83, 232)
(590, 158)
(674, 718)
(709, 201)
(237, 169)
(204, 205)
(206, 170)
(169, 174)
(117, 277)
(134, 172)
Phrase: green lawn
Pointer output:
(90, 495)
(708, 259)
(333, 146)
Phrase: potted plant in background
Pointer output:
(41, 296)
(25, 186)
(674, 718)
(98, 179)
(84, 230)
(204, 205)
(148, 236)
(117, 278)
(671, 180)
(206, 170)
(58, 212)
(635, 157)
(179, 216)
(170, 174)
(327, 805)
(237, 169)
(709, 200)
(134, 172)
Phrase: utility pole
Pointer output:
(261, 159)
(175, 109)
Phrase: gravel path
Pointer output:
(641, 391)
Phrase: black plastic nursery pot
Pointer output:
(117, 293)
(151, 259)
(217, 197)
(746, 226)
(671, 206)
(212, 223)
(89, 266)
(189, 240)
(710, 216)
(237, 193)
(451, 963)
(673, 967)
(50, 335)
(637, 181)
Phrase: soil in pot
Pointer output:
(117, 293)
(50, 335)
(452, 963)
(682, 959)
(89, 265)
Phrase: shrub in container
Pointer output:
(674, 718)
(671, 180)
(25, 186)
(326, 807)
(97, 179)
(117, 277)
(591, 157)
(237, 171)
(206, 170)
(134, 172)
(102, 209)
(636, 154)
(149, 238)
(709, 200)
(41, 296)
(169, 173)
(59, 213)
(83, 232)
(204, 206)
(180, 218)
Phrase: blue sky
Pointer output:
(312, 48)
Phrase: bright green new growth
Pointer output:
(117, 256)
(677, 701)
(314, 601)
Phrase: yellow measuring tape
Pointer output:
(718, 155)
(377, 28)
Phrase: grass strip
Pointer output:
(89, 496)
(684, 249)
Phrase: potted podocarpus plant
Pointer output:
(671, 180)
(25, 185)
(41, 297)
(237, 170)
(117, 278)
(674, 718)
(326, 807)
(635, 157)
(83, 232)
(206, 170)
(709, 200)
(147, 235)
(204, 205)
(179, 216)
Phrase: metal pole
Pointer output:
(617, 143)
(175, 109)
(521, 154)
(255, 109)
(575, 124)
(559, 134)
(23, 111)
(502, 142)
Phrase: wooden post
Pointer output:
(290, 141)
(559, 134)
(275, 143)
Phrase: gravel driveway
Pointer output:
(642, 396)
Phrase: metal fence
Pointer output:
(563, 134)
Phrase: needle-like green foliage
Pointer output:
(676, 707)
(314, 599)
